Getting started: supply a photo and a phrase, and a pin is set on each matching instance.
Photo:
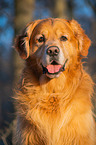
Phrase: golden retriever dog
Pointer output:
(54, 95)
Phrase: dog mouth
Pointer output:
(54, 68)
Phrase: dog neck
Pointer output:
(67, 80)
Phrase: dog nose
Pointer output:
(53, 50)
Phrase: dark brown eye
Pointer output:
(41, 39)
(63, 38)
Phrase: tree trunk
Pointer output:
(23, 15)
(61, 9)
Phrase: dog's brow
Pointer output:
(67, 26)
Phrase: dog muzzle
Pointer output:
(53, 70)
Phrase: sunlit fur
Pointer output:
(56, 111)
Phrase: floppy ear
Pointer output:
(22, 41)
(84, 41)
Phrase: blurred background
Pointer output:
(14, 15)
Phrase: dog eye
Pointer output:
(41, 39)
(63, 38)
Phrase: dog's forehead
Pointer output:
(53, 25)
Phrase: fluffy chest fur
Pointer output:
(58, 111)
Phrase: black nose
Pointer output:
(53, 51)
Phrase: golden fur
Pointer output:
(54, 111)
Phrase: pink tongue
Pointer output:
(53, 68)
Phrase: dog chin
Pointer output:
(51, 76)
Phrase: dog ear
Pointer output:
(22, 41)
(84, 41)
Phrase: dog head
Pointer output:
(55, 43)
